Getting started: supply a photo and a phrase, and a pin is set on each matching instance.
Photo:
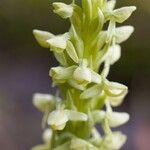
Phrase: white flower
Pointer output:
(61, 74)
(114, 89)
(82, 75)
(116, 119)
(58, 43)
(58, 118)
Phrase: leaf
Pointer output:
(77, 18)
(87, 8)
(42, 37)
(77, 41)
(71, 51)
(96, 24)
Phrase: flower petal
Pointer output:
(114, 89)
(123, 33)
(122, 14)
(58, 43)
(91, 92)
(44, 102)
(42, 37)
(116, 119)
(58, 119)
(63, 10)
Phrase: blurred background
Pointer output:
(24, 67)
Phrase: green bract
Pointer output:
(70, 117)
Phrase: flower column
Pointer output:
(70, 118)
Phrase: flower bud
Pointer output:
(63, 10)
(44, 102)
(47, 136)
(42, 37)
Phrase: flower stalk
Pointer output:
(70, 117)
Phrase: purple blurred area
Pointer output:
(24, 70)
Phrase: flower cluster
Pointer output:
(70, 118)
